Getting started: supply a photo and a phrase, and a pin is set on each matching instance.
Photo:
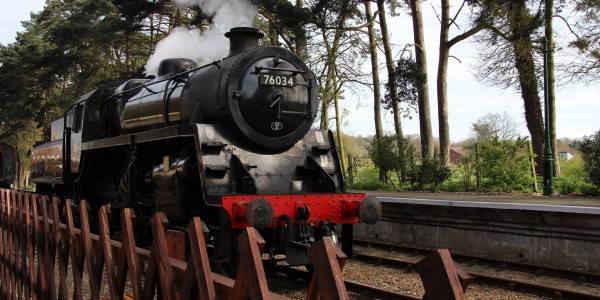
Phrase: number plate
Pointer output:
(277, 80)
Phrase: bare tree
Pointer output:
(500, 126)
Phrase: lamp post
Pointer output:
(548, 160)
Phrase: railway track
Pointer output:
(514, 285)
(365, 290)
(574, 275)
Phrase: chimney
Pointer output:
(242, 39)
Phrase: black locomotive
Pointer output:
(229, 141)
(7, 165)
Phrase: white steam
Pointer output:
(208, 45)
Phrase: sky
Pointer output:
(577, 106)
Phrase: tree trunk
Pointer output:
(551, 103)
(423, 89)
(389, 63)
(338, 124)
(376, 87)
(524, 63)
(300, 40)
(442, 88)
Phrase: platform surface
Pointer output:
(500, 201)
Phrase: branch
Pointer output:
(468, 34)
(568, 26)
(452, 21)
(356, 28)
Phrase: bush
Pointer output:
(589, 189)
(466, 169)
(431, 171)
(590, 151)
(392, 153)
(506, 165)
(566, 186)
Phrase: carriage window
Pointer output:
(77, 113)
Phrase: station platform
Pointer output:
(561, 231)
(501, 201)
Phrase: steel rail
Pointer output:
(513, 285)
(365, 290)
(578, 276)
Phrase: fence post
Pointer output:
(3, 244)
(478, 165)
(198, 276)
(160, 255)
(22, 247)
(328, 281)
(250, 281)
(60, 250)
(106, 255)
(30, 285)
(89, 251)
(440, 278)
(75, 252)
(127, 223)
(532, 161)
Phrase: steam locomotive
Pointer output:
(229, 141)
(7, 165)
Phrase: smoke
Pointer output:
(208, 45)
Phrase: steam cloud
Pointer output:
(207, 45)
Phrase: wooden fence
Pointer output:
(33, 242)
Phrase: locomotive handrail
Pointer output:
(260, 68)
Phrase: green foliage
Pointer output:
(392, 153)
(590, 151)
(367, 178)
(431, 171)
(574, 168)
(506, 165)
(588, 189)
(466, 167)
(407, 79)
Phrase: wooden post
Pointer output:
(106, 254)
(89, 251)
(48, 282)
(39, 245)
(328, 281)
(62, 249)
(75, 252)
(532, 161)
(3, 245)
(22, 244)
(350, 169)
(198, 277)
(160, 254)
(250, 281)
(127, 222)
(440, 278)
(30, 292)
(478, 165)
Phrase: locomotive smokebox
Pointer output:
(242, 39)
